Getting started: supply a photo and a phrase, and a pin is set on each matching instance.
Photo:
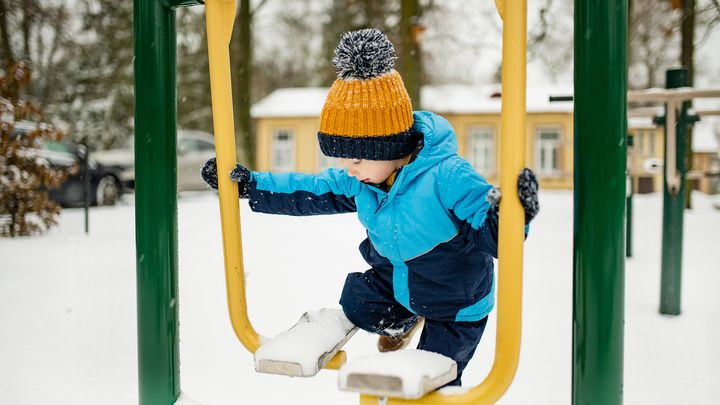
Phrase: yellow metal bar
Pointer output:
(499, 7)
(510, 260)
(219, 18)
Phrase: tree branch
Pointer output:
(257, 8)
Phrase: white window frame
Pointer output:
(282, 152)
(481, 152)
(650, 133)
(553, 146)
(640, 140)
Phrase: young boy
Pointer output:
(431, 220)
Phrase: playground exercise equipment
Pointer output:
(677, 120)
(600, 105)
(220, 15)
(329, 329)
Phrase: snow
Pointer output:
(706, 134)
(317, 334)
(413, 368)
(472, 99)
(68, 309)
(184, 399)
(291, 102)
(443, 99)
(641, 122)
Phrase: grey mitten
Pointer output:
(239, 174)
(527, 192)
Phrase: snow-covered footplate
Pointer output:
(304, 349)
(406, 374)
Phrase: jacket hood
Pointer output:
(439, 143)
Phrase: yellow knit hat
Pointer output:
(367, 113)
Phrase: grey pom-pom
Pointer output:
(363, 55)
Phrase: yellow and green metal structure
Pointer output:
(600, 41)
(220, 17)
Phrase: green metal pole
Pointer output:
(673, 206)
(599, 197)
(156, 203)
(629, 202)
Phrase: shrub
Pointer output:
(25, 176)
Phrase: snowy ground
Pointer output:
(67, 308)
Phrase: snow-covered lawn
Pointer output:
(67, 308)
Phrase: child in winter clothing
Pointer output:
(431, 219)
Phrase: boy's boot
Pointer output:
(393, 343)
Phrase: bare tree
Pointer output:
(653, 37)
(194, 109)
(37, 33)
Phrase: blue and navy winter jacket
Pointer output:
(428, 235)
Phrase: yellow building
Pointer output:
(287, 123)
(648, 150)
(646, 154)
(705, 168)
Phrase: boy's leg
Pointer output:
(369, 303)
(456, 340)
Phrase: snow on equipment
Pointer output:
(304, 349)
(406, 374)
(220, 15)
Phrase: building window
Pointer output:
(283, 150)
(325, 162)
(481, 149)
(640, 141)
(645, 142)
(549, 140)
(650, 142)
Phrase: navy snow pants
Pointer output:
(369, 302)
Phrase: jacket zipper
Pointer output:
(381, 203)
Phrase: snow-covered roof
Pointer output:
(291, 102)
(447, 99)
(641, 123)
(466, 99)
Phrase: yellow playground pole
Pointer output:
(219, 18)
(510, 260)
(220, 15)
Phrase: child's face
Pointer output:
(370, 171)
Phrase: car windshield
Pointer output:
(189, 139)
(58, 147)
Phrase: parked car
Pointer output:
(105, 185)
(194, 148)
